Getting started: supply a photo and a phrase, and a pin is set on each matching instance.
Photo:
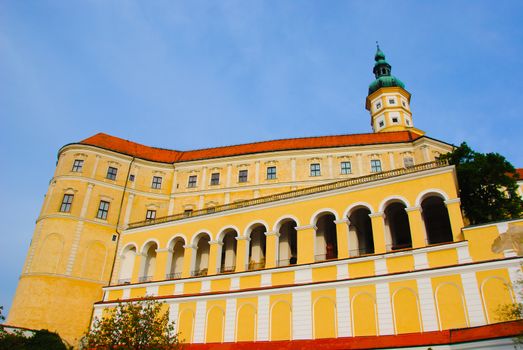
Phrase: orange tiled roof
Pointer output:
(520, 173)
(171, 156)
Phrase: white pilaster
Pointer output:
(420, 260)
(257, 172)
(263, 318)
(359, 160)
(128, 208)
(199, 322)
(229, 173)
(384, 309)
(342, 271)
(303, 276)
(391, 161)
(343, 312)
(206, 286)
(427, 306)
(230, 318)
(178, 288)
(126, 293)
(266, 280)
(151, 291)
(95, 167)
(200, 202)
(227, 199)
(515, 279)
(380, 266)
(203, 182)
(463, 254)
(473, 299)
(235, 283)
(293, 169)
(331, 170)
(173, 315)
(301, 315)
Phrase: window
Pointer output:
(346, 168)
(242, 176)
(408, 162)
(375, 165)
(394, 119)
(403, 103)
(103, 209)
(215, 178)
(131, 177)
(66, 203)
(187, 212)
(407, 121)
(150, 214)
(78, 165)
(157, 182)
(271, 172)
(381, 124)
(192, 181)
(392, 101)
(378, 105)
(111, 173)
(315, 169)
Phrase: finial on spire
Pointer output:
(377, 45)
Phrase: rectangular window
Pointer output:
(131, 177)
(103, 209)
(215, 178)
(392, 101)
(395, 119)
(375, 166)
(150, 214)
(378, 105)
(111, 173)
(157, 182)
(242, 176)
(271, 172)
(315, 169)
(66, 203)
(187, 212)
(346, 168)
(78, 165)
(381, 124)
(192, 181)
(408, 162)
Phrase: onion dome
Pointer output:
(382, 71)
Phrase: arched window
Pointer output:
(257, 248)
(397, 224)
(127, 265)
(437, 221)
(228, 255)
(361, 240)
(177, 253)
(326, 238)
(287, 249)
(148, 262)
(201, 263)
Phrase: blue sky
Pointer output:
(195, 74)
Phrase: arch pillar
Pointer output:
(137, 268)
(162, 257)
(456, 218)
(189, 257)
(378, 232)
(271, 252)
(342, 236)
(306, 236)
(215, 248)
(242, 252)
(417, 227)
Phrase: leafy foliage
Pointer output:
(137, 325)
(487, 184)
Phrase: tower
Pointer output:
(387, 101)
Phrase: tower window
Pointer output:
(66, 203)
(271, 172)
(150, 214)
(378, 105)
(215, 178)
(407, 121)
(395, 119)
(403, 103)
(78, 165)
(157, 182)
(242, 176)
(192, 181)
(392, 101)
(381, 124)
(375, 166)
(103, 209)
(315, 169)
(111, 173)
(346, 168)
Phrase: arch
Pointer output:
(430, 192)
(436, 219)
(50, 255)
(176, 256)
(199, 235)
(317, 213)
(147, 244)
(392, 199)
(364, 314)
(252, 224)
(361, 237)
(287, 242)
(282, 219)
(257, 246)
(397, 226)
(215, 325)
(186, 325)
(326, 240)
(175, 237)
(130, 245)
(406, 311)
(355, 206)
(450, 305)
(282, 328)
(226, 229)
(148, 261)
(127, 259)
(246, 327)
(324, 318)
(227, 251)
(95, 258)
(201, 258)
(494, 293)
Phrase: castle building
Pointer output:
(321, 239)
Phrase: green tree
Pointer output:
(487, 185)
(133, 325)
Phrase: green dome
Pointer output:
(382, 71)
